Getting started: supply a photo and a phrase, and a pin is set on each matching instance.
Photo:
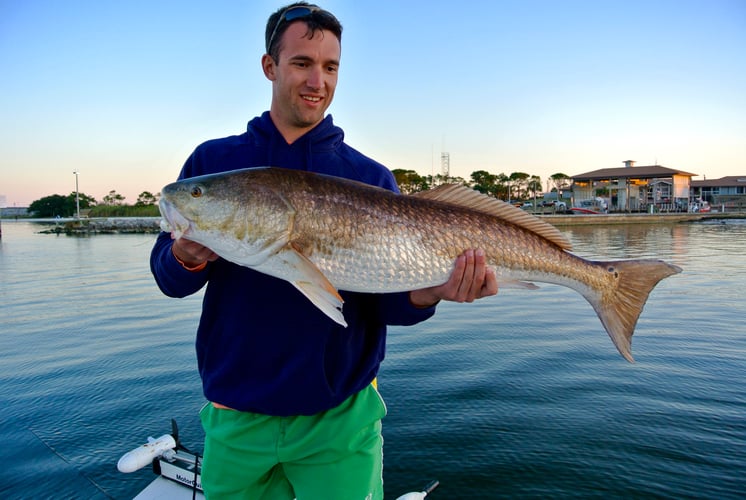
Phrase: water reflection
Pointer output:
(518, 395)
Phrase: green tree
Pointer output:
(410, 181)
(502, 186)
(147, 198)
(113, 198)
(518, 181)
(560, 181)
(534, 185)
(484, 182)
(51, 206)
(57, 204)
(440, 179)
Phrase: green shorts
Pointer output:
(336, 454)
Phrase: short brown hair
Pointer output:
(317, 19)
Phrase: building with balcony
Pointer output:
(635, 189)
(727, 192)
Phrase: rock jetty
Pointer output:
(119, 225)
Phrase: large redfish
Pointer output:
(324, 234)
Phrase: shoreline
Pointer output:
(151, 225)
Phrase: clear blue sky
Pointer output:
(123, 91)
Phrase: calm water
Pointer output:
(522, 395)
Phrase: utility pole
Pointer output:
(2, 206)
(77, 197)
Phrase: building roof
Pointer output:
(733, 180)
(648, 172)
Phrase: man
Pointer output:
(293, 411)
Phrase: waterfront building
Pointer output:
(635, 189)
(726, 192)
(8, 212)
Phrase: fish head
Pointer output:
(192, 206)
(179, 207)
(237, 214)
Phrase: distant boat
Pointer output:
(578, 210)
(591, 206)
(701, 207)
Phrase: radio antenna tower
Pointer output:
(445, 164)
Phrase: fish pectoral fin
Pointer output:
(328, 301)
(525, 285)
(312, 283)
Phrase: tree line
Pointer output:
(111, 205)
(518, 186)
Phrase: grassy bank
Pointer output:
(124, 211)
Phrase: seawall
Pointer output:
(607, 219)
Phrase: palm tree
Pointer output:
(534, 185)
(519, 179)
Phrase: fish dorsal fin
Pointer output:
(464, 196)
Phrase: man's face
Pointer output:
(303, 79)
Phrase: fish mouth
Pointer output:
(173, 221)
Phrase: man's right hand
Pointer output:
(192, 254)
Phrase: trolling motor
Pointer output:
(169, 458)
(419, 495)
(164, 446)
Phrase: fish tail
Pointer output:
(620, 308)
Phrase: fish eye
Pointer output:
(196, 192)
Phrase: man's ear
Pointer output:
(268, 66)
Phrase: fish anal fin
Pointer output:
(463, 196)
(524, 285)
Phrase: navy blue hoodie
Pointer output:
(261, 345)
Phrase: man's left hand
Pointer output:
(471, 279)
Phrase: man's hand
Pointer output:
(471, 279)
(190, 253)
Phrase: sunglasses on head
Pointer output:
(291, 14)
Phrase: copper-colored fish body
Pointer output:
(324, 234)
